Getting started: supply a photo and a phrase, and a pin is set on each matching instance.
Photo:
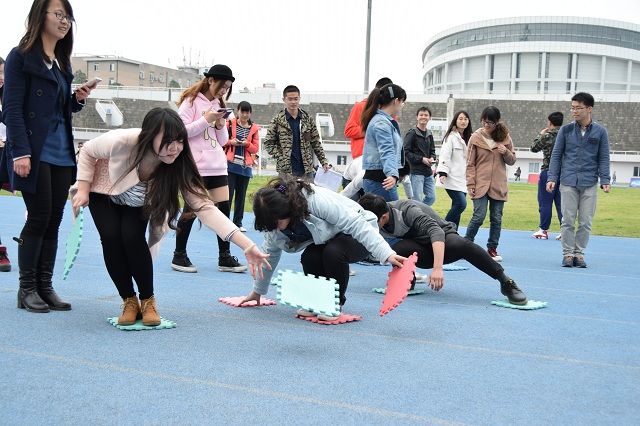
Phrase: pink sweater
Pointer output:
(105, 159)
(210, 158)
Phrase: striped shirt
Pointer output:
(132, 197)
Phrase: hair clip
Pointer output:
(281, 189)
(391, 91)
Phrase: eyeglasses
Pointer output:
(577, 108)
(62, 17)
(488, 123)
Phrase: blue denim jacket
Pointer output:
(382, 145)
(579, 160)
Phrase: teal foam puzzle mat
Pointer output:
(316, 294)
(531, 305)
(382, 290)
(72, 245)
(454, 267)
(138, 326)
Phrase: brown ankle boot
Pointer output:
(150, 316)
(130, 311)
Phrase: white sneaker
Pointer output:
(420, 278)
(541, 234)
(351, 272)
(305, 313)
(323, 317)
(242, 229)
(559, 237)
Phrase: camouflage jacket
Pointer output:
(279, 142)
(544, 142)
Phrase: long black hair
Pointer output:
(500, 131)
(379, 98)
(167, 181)
(32, 39)
(466, 133)
(281, 198)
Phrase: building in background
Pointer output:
(534, 55)
(119, 71)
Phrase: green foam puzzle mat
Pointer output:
(531, 304)
(316, 294)
(138, 326)
(413, 292)
(72, 245)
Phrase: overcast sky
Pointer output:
(317, 45)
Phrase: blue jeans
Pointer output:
(373, 187)
(546, 200)
(424, 188)
(480, 213)
(458, 205)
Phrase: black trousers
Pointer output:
(331, 260)
(124, 247)
(186, 219)
(46, 205)
(455, 248)
(238, 185)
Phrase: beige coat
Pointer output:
(105, 159)
(486, 167)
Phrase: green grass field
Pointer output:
(617, 214)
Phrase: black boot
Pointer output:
(45, 277)
(28, 254)
(509, 288)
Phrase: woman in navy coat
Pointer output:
(39, 156)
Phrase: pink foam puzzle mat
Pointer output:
(343, 318)
(319, 295)
(138, 326)
(236, 300)
(398, 285)
(72, 245)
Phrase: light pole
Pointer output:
(368, 49)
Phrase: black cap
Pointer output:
(220, 72)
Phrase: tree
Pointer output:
(174, 83)
(79, 77)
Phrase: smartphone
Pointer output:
(91, 84)
(227, 112)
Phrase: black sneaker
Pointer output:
(578, 262)
(228, 263)
(181, 262)
(513, 293)
(567, 261)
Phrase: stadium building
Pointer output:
(534, 55)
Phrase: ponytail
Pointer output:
(379, 98)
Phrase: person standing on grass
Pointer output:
(39, 157)
(490, 150)
(544, 142)
(420, 153)
(452, 167)
(579, 158)
(244, 143)
(201, 107)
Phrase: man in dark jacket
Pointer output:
(411, 226)
(420, 152)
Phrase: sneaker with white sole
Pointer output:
(420, 278)
(242, 229)
(352, 273)
(181, 262)
(559, 237)
(228, 263)
(493, 252)
(540, 234)
(323, 317)
(305, 313)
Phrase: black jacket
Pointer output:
(417, 146)
(409, 219)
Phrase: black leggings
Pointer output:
(124, 247)
(46, 205)
(455, 248)
(238, 185)
(186, 223)
(331, 260)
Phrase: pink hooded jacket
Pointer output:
(205, 140)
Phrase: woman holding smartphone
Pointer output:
(39, 158)
(203, 111)
(243, 144)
